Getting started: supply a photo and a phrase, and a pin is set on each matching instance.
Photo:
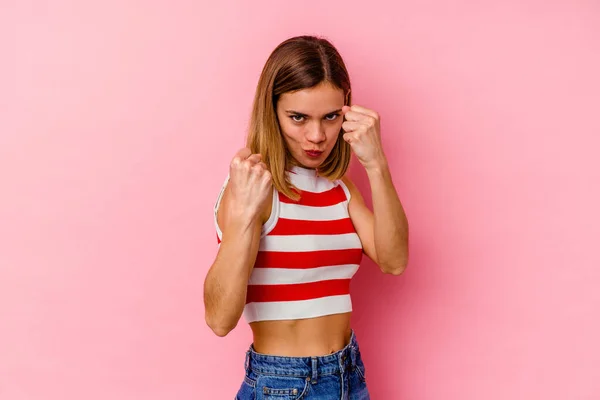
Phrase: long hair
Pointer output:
(298, 63)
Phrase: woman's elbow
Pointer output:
(219, 328)
(395, 268)
(221, 331)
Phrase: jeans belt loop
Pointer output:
(314, 370)
(353, 356)
(247, 361)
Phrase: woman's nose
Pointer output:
(316, 133)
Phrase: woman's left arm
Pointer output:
(383, 232)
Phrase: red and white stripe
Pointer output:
(299, 309)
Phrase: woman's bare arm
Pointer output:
(240, 215)
(383, 232)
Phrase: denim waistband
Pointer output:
(304, 366)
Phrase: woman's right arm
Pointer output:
(240, 216)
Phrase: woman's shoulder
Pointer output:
(346, 183)
(267, 209)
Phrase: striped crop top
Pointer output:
(308, 252)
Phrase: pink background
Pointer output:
(118, 121)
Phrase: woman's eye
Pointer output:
(300, 118)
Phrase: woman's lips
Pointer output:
(313, 153)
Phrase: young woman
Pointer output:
(292, 228)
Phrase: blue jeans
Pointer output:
(337, 376)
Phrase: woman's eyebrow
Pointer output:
(306, 115)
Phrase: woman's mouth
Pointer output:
(313, 153)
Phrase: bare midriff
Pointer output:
(302, 337)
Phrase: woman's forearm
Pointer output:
(390, 222)
(226, 283)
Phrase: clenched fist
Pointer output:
(250, 185)
(362, 127)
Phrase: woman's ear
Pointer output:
(347, 99)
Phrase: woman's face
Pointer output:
(310, 121)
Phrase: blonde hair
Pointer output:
(298, 63)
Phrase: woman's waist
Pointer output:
(309, 337)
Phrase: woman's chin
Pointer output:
(310, 162)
